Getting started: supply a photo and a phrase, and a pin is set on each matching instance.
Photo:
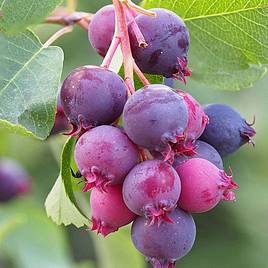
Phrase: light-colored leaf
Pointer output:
(60, 209)
(229, 39)
(29, 81)
(61, 203)
(17, 15)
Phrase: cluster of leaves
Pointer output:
(229, 50)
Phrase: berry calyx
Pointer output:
(104, 156)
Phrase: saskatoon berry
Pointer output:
(14, 181)
(104, 155)
(227, 130)
(92, 96)
(164, 244)
(109, 211)
(101, 29)
(155, 117)
(202, 150)
(61, 123)
(197, 119)
(152, 189)
(167, 49)
(203, 185)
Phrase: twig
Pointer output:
(71, 5)
(63, 17)
(55, 36)
(141, 76)
(137, 8)
(139, 36)
(111, 51)
(125, 44)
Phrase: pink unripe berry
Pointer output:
(109, 211)
(203, 185)
(197, 121)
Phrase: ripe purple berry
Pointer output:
(101, 29)
(152, 189)
(227, 130)
(104, 155)
(203, 185)
(164, 244)
(92, 96)
(109, 211)
(155, 117)
(14, 181)
(202, 150)
(166, 53)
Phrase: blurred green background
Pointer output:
(232, 235)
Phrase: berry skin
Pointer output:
(155, 117)
(152, 189)
(104, 155)
(92, 96)
(14, 181)
(197, 120)
(101, 29)
(203, 185)
(227, 130)
(167, 49)
(61, 123)
(164, 244)
(202, 150)
(109, 211)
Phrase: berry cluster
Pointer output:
(164, 161)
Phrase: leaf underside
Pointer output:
(17, 15)
(29, 81)
(61, 204)
(229, 39)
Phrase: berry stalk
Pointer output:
(125, 44)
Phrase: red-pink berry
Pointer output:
(203, 185)
(109, 211)
(197, 121)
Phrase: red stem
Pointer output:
(111, 51)
(139, 36)
(141, 76)
(125, 44)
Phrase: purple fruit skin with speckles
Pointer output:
(154, 115)
(227, 131)
(93, 95)
(165, 243)
(149, 185)
(109, 149)
(101, 29)
(168, 39)
(202, 150)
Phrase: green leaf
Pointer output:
(153, 79)
(17, 15)
(117, 250)
(61, 203)
(29, 81)
(229, 39)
